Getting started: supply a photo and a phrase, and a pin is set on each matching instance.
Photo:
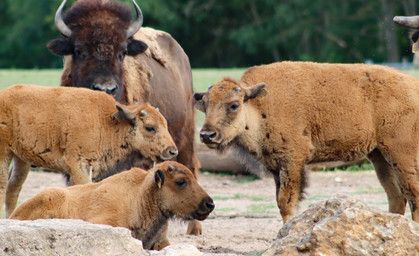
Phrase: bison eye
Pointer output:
(233, 107)
(181, 183)
(80, 54)
(122, 55)
(150, 129)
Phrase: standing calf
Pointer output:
(76, 131)
(138, 200)
(285, 115)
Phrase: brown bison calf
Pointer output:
(138, 200)
(76, 131)
(284, 115)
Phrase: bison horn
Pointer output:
(407, 21)
(171, 167)
(143, 113)
(59, 22)
(136, 25)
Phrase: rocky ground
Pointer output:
(246, 219)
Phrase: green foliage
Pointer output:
(236, 33)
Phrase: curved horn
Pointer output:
(407, 21)
(136, 25)
(59, 22)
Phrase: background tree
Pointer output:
(235, 33)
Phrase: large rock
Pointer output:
(65, 237)
(346, 226)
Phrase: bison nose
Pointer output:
(209, 204)
(169, 153)
(109, 89)
(207, 136)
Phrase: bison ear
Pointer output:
(126, 114)
(199, 103)
(255, 91)
(414, 36)
(136, 47)
(159, 178)
(61, 47)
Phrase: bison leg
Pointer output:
(401, 150)
(5, 159)
(17, 177)
(388, 179)
(79, 175)
(162, 241)
(291, 185)
(194, 228)
(187, 156)
(408, 176)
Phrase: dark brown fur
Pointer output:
(99, 53)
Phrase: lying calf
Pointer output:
(76, 131)
(138, 200)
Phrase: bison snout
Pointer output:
(109, 89)
(169, 153)
(206, 206)
(207, 136)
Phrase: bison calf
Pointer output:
(284, 115)
(79, 132)
(138, 200)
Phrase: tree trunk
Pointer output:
(212, 161)
(389, 32)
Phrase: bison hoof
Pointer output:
(194, 228)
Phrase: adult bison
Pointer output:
(410, 22)
(284, 115)
(105, 50)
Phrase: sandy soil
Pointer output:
(246, 219)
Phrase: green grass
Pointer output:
(227, 210)
(49, 77)
(369, 190)
(202, 78)
(263, 208)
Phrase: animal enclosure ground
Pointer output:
(246, 219)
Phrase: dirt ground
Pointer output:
(246, 219)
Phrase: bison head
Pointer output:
(180, 194)
(410, 22)
(98, 35)
(224, 105)
(149, 135)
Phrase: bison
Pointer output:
(76, 131)
(410, 22)
(138, 200)
(284, 115)
(104, 50)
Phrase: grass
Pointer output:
(263, 208)
(49, 77)
(202, 78)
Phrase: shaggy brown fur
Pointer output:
(304, 112)
(150, 67)
(135, 199)
(76, 131)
